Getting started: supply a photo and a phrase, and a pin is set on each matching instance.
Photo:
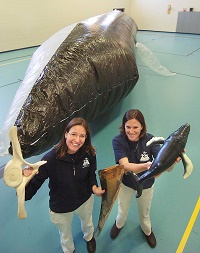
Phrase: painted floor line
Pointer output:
(14, 62)
(189, 228)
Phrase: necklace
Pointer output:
(134, 146)
(74, 161)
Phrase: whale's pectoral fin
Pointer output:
(188, 166)
(155, 140)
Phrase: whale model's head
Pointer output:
(182, 133)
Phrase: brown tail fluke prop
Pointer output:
(110, 180)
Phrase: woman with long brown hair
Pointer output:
(70, 168)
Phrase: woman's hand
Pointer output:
(27, 171)
(134, 167)
(97, 190)
(147, 165)
(178, 159)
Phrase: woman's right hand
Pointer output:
(148, 165)
(27, 171)
(134, 167)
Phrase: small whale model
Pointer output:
(172, 148)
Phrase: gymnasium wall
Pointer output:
(29, 23)
(154, 14)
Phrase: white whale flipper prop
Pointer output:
(155, 140)
(13, 176)
(188, 166)
(151, 61)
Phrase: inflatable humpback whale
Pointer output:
(172, 148)
(91, 71)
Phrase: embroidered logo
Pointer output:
(144, 157)
(86, 163)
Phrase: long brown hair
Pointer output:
(134, 114)
(61, 147)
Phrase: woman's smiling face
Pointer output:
(133, 129)
(75, 138)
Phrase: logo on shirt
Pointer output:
(86, 163)
(144, 157)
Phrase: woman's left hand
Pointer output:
(178, 159)
(97, 190)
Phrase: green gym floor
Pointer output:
(167, 103)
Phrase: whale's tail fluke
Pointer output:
(110, 179)
(138, 184)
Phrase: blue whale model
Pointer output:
(91, 71)
(172, 148)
